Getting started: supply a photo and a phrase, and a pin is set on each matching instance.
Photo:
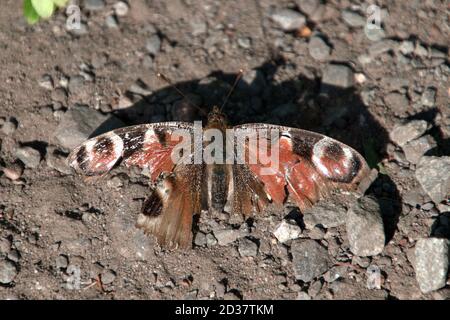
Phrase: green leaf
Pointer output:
(44, 8)
(29, 13)
(60, 3)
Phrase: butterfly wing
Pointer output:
(306, 167)
(168, 212)
(147, 145)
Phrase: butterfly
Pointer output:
(309, 166)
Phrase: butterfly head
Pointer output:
(216, 118)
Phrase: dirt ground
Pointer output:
(68, 239)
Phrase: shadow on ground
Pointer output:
(300, 102)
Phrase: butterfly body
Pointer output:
(308, 167)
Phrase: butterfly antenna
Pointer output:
(170, 83)
(238, 77)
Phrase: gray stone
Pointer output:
(337, 75)
(80, 122)
(353, 19)
(94, 5)
(397, 102)
(59, 95)
(61, 262)
(244, 42)
(414, 197)
(433, 174)
(108, 276)
(5, 245)
(327, 215)
(111, 21)
(309, 259)
(8, 271)
(147, 61)
(335, 273)
(9, 126)
(210, 240)
(46, 82)
(76, 84)
(406, 47)
(287, 230)
(365, 229)
(316, 233)
(381, 47)
(308, 6)
(153, 44)
(198, 28)
(29, 156)
(288, 20)
(200, 239)
(420, 50)
(431, 263)
(14, 255)
(247, 248)
(414, 150)
(227, 236)
(363, 262)
(319, 49)
(428, 98)
(403, 133)
(315, 288)
(374, 34)
(56, 160)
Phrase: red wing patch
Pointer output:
(310, 166)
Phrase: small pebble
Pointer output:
(13, 172)
(29, 156)
(62, 262)
(429, 97)
(111, 21)
(244, 43)
(121, 8)
(153, 45)
(406, 47)
(431, 263)
(8, 271)
(337, 75)
(403, 133)
(319, 49)
(5, 245)
(108, 276)
(247, 248)
(46, 82)
(353, 19)
(360, 78)
(288, 20)
(286, 231)
(9, 126)
(200, 239)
